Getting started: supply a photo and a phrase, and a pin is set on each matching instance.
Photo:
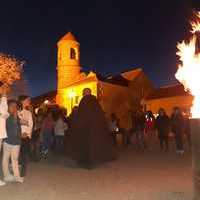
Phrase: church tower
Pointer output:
(68, 64)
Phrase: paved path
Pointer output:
(135, 176)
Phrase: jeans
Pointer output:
(25, 153)
(59, 142)
(10, 151)
(35, 146)
(140, 140)
(163, 137)
(47, 138)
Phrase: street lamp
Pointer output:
(46, 102)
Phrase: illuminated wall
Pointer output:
(184, 102)
(70, 81)
(71, 96)
(68, 60)
(68, 63)
(114, 99)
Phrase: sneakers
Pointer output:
(2, 183)
(19, 179)
(180, 152)
(44, 154)
(9, 178)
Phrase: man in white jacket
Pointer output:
(26, 119)
(3, 116)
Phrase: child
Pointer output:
(12, 143)
(59, 129)
(47, 129)
(3, 116)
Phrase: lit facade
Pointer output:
(168, 97)
(72, 94)
(71, 81)
(116, 94)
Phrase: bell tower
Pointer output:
(68, 63)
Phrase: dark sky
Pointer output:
(114, 35)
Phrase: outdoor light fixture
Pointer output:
(188, 74)
(46, 102)
(71, 94)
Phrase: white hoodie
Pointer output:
(60, 127)
(3, 116)
(27, 122)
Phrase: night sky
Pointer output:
(114, 35)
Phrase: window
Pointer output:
(73, 53)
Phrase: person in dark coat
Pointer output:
(71, 120)
(90, 141)
(139, 127)
(187, 129)
(114, 127)
(162, 124)
(178, 129)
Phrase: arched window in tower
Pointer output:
(73, 53)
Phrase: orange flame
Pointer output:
(189, 71)
(196, 25)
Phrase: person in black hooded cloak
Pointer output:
(90, 141)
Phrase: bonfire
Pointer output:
(189, 70)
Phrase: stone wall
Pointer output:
(139, 88)
(114, 99)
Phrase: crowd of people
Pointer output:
(16, 125)
(146, 127)
(25, 135)
(86, 136)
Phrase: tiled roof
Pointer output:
(167, 91)
(116, 80)
(124, 78)
(131, 74)
(68, 36)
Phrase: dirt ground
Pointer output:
(152, 175)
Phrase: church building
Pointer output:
(117, 94)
